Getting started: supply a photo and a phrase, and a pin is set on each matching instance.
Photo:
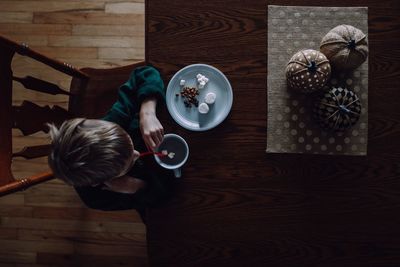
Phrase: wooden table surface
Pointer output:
(237, 205)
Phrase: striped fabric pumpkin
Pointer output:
(337, 109)
(345, 46)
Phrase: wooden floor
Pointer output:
(47, 225)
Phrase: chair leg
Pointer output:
(6, 56)
(23, 184)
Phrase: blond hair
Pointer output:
(88, 154)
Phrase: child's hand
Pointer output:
(152, 130)
(150, 126)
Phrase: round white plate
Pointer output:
(189, 117)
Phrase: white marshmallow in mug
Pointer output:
(203, 108)
(210, 98)
(182, 82)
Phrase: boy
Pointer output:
(100, 157)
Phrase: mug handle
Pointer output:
(177, 173)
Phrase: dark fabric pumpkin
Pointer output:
(345, 46)
(337, 109)
(308, 71)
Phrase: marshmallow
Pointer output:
(203, 108)
(210, 98)
(182, 82)
(201, 85)
(202, 80)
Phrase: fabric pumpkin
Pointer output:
(345, 46)
(308, 71)
(338, 109)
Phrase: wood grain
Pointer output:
(95, 41)
(125, 8)
(50, 259)
(87, 18)
(18, 257)
(90, 237)
(121, 53)
(76, 213)
(70, 52)
(56, 224)
(32, 40)
(35, 29)
(237, 205)
(16, 17)
(46, 6)
(107, 30)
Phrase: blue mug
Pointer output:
(177, 153)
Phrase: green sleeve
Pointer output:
(144, 82)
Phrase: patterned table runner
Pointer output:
(290, 127)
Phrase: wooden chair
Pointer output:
(92, 92)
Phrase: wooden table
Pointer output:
(237, 205)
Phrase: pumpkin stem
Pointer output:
(312, 67)
(351, 44)
(343, 109)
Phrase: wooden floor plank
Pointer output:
(12, 211)
(16, 199)
(29, 265)
(8, 234)
(48, 195)
(121, 53)
(50, 6)
(96, 260)
(72, 225)
(89, 237)
(9, 246)
(104, 1)
(16, 17)
(107, 30)
(88, 18)
(23, 168)
(110, 250)
(34, 29)
(17, 257)
(96, 41)
(31, 40)
(99, 63)
(69, 52)
(125, 8)
(86, 214)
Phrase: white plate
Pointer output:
(189, 117)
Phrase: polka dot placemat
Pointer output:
(290, 126)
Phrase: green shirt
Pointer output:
(144, 82)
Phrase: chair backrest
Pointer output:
(92, 98)
(91, 94)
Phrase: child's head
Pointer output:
(88, 152)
